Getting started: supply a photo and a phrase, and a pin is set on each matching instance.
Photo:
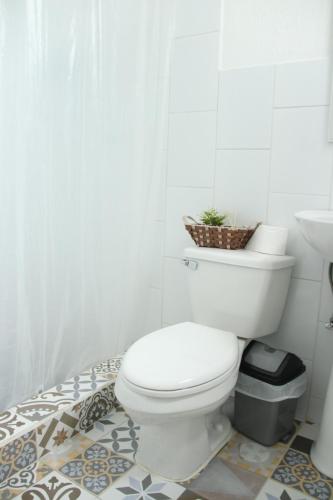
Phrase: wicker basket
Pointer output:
(228, 237)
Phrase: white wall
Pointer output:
(251, 139)
(256, 32)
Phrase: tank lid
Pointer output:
(242, 258)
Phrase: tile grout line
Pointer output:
(241, 148)
(299, 106)
(285, 193)
(192, 111)
(196, 35)
(270, 165)
(165, 173)
(218, 97)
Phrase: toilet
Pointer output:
(174, 381)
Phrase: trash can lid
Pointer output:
(273, 366)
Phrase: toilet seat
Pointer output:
(179, 360)
(180, 393)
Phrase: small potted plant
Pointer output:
(212, 217)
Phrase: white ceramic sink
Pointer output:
(317, 229)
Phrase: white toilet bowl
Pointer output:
(173, 383)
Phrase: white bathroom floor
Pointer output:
(101, 464)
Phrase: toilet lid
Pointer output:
(180, 356)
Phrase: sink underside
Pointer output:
(317, 229)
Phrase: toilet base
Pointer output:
(180, 449)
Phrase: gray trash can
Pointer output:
(269, 384)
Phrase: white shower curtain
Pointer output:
(81, 119)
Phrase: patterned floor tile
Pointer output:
(67, 451)
(17, 455)
(52, 433)
(96, 468)
(297, 471)
(123, 439)
(138, 484)
(252, 456)
(110, 368)
(221, 479)
(107, 423)
(97, 406)
(17, 484)
(275, 491)
(81, 385)
(43, 405)
(88, 447)
(55, 487)
(10, 424)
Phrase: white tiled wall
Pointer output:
(245, 94)
(195, 16)
(192, 143)
(251, 141)
(301, 154)
(247, 197)
(194, 73)
(258, 32)
(300, 84)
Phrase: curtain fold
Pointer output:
(81, 145)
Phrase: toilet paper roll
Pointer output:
(269, 239)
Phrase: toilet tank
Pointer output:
(238, 290)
